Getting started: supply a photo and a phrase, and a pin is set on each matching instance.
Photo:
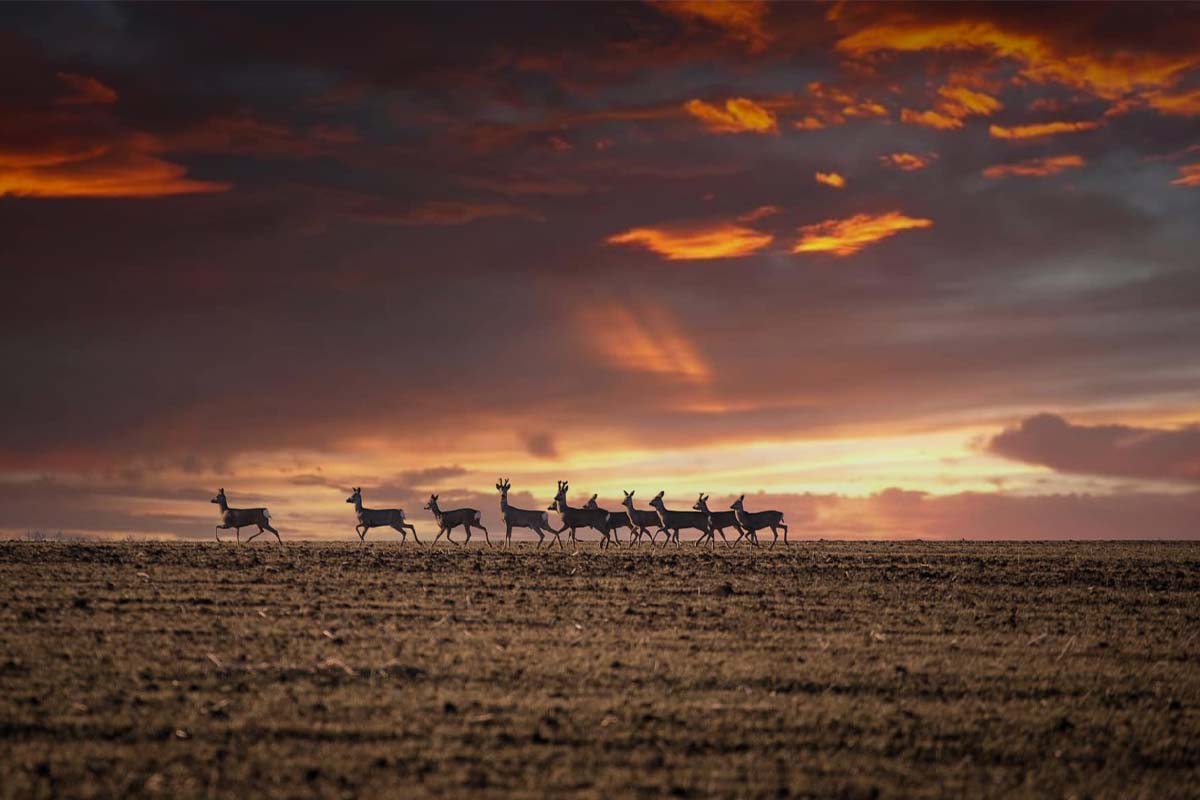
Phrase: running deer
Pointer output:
(449, 520)
(752, 521)
(379, 518)
(640, 519)
(719, 521)
(239, 518)
(674, 521)
(573, 518)
(614, 521)
(536, 521)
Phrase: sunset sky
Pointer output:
(897, 270)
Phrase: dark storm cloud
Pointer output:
(1120, 451)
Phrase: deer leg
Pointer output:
(217, 532)
(486, 538)
(272, 530)
(238, 531)
(785, 541)
(541, 537)
(776, 539)
(467, 528)
(255, 536)
(413, 528)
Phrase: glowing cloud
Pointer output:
(1034, 167)
(831, 179)
(907, 162)
(845, 237)
(738, 116)
(1038, 130)
(957, 103)
(119, 174)
(931, 119)
(1186, 104)
(646, 342)
(1189, 175)
(1109, 77)
(723, 240)
(741, 21)
(758, 213)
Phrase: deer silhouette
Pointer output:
(572, 518)
(459, 517)
(536, 521)
(640, 519)
(614, 521)
(238, 518)
(674, 521)
(378, 518)
(752, 521)
(719, 521)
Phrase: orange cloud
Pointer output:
(738, 116)
(1186, 104)
(931, 119)
(646, 341)
(907, 162)
(758, 213)
(742, 21)
(957, 103)
(1034, 167)
(1038, 130)
(845, 237)
(832, 106)
(831, 179)
(1110, 76)
(85, 90)
(1189, 175)
(969, 101)
(723, 240)
(127, 165)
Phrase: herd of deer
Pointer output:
(639, 521)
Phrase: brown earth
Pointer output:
(822, 669)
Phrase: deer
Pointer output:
(238, 518)
(674, 521)
(752, 521)
(536, 521)
(449, 520)
(614, 521)
(573, 518)
(640, 519)
(719, 521)
(378, 518)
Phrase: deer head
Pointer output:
(701, 503)
(657, 502)
(355, 497)
(737, 504)
(591, 503)
(432, 504)
(220, 498)
(503, 485)
(628, 501)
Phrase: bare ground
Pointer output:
(822, 669)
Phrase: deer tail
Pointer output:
(478, 518)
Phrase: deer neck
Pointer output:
(223, 504)
(504, 501)
(358, 504)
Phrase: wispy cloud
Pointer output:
(1035, 167)
(907, 162)
(719, 240)
(1189, 175)
(1038, 130)
(644, 340)
(831, 179)
(739, 115)
(845, 237)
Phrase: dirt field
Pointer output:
(826, 669)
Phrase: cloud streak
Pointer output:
(845, 237)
